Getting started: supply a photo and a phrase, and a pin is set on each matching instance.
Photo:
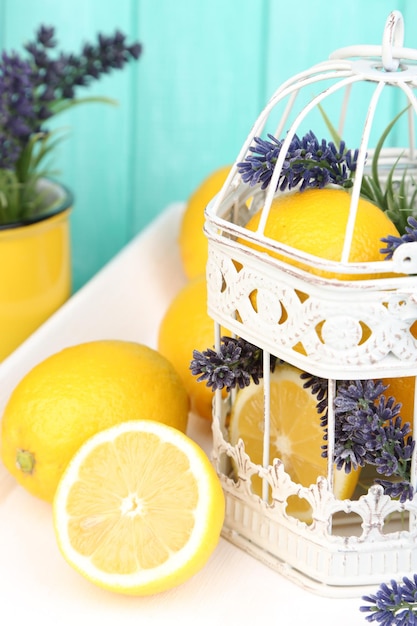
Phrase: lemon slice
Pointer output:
(139, 508)
(296, 435)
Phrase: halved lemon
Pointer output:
(296, 435)
(139, 508)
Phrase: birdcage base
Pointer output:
(336, 570)
(339, 548)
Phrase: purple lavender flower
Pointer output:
(237, 363)
(368, 430)
(308, 163)
(393, 242)
(393, 604)
(319, 388)
(32, 88)
(18, 119)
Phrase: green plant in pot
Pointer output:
(34, 210)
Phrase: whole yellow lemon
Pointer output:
(315, 220)
(186, 326)
(77, 392)
(192, 241)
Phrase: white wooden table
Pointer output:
(126, 300)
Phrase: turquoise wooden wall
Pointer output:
(207, 70)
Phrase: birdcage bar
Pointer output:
(267, 418)
(286, 144)
(360, 170)
(331, 392)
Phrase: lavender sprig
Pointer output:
(393, 242)
(33, 88)
(393, 604)
(318, 387)
(368, 430)
(59, 77)
(308, 163)
(237, 363)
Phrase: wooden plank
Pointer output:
(198, 93)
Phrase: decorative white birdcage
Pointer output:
(346, 544)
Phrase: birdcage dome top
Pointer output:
(356, 93)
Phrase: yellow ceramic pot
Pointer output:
(35, 269)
